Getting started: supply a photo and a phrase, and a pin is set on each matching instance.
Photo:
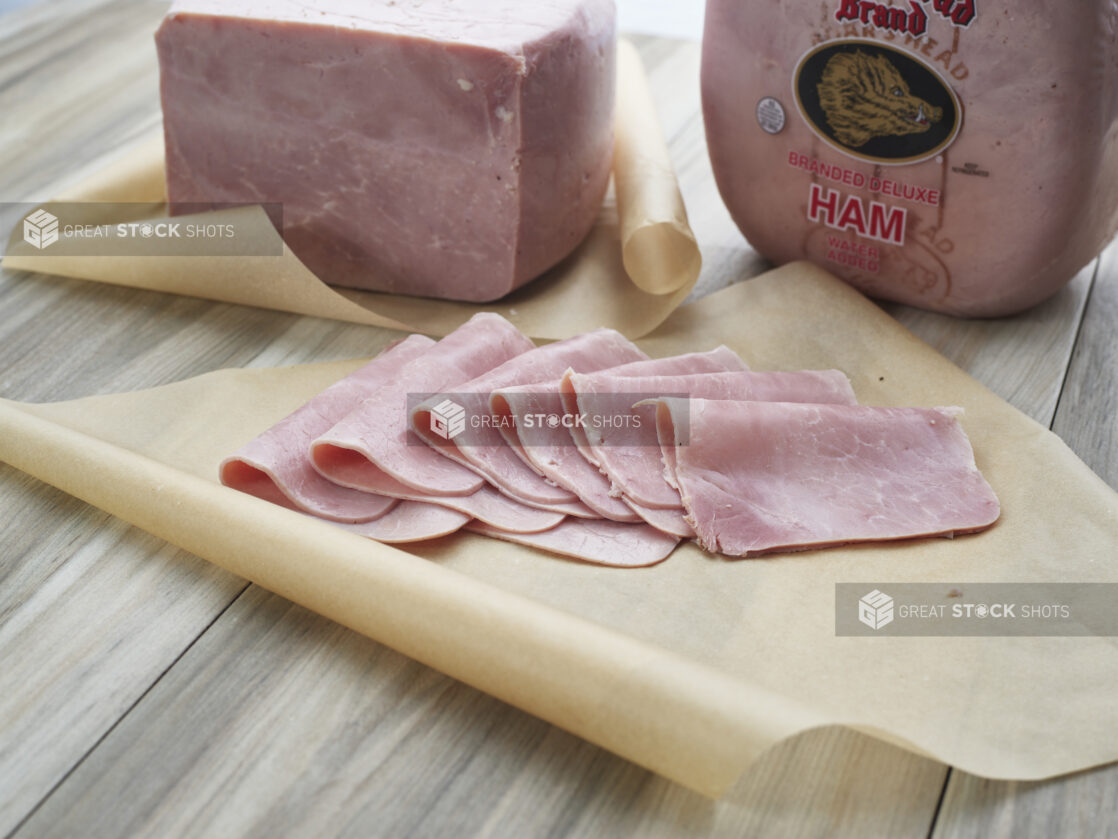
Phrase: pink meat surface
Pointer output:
(599, 542)
(485, 503)
(449, 148)
(377, 430)
(410, 521)
(549, 449)
(404, 521)
(670, 520)
(279, 456)
(629, 453)
(719, 360)
(480, 445)
(988, 223)
(758, 477)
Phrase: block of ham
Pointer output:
(550, 449)
(481, 447)
(595, 541)
(278, 458)
(988, 224)
(449, 148)
(629, 453)
(374, 440)
(767, 476)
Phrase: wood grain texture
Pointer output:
(145, 693)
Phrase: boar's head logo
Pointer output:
(876, 102)
(865, 97)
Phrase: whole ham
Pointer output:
(445, 148)
(764, 476)
(954, 155)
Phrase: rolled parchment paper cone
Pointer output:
(657, 245)
(646, 235)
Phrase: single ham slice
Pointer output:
(669, 520)
(405, 521)
(486, 503)
(377, 430)
(479, 444)
(758, 477)
(277, 459)
(719, 360)
(599, 542)
(629, 453)
(410, 521)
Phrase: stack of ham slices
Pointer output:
(590, 449)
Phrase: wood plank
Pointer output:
(1086, 803)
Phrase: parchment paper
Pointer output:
(628, 274)
(693, 667)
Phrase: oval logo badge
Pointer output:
(875, 102)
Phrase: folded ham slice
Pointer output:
(277, 459)
(599, 542)
(757, 477)
(485, 504)
(629, 453)
(404, 521)
(410, 521)
(480, 446)
(374, 436)
(669, 520)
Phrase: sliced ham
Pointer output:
(629, 453)
(550, 450)
(669, 520)
(410, 521)
(480, 446)
(377, 431)
(277, 459)
(485, 503)
(547, 448)
(719, 360)
(758, 477)
(404, 521)
(599, 542)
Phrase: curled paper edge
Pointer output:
(630, 698)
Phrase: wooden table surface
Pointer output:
(144, 692)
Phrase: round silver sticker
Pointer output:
(770, 115)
